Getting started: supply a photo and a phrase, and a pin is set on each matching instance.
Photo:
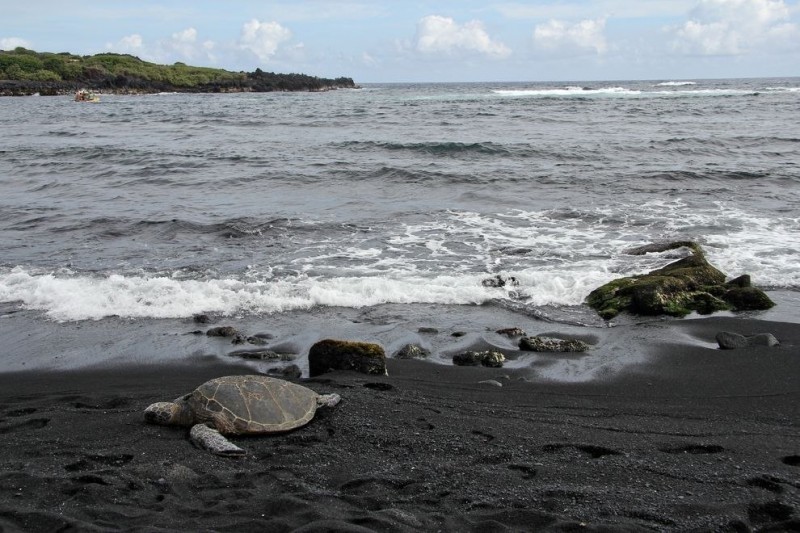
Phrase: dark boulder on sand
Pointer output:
(686, 285)
(730, 341)
(331, 354)
(412, 351)
(289, 372)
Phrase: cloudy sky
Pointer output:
(411, 40)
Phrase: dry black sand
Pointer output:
(692, 439)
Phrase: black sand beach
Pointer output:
(691, 439)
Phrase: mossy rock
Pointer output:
(748, 299)
(686, 285)
(330, 354)
(490, 358)
(412, 351)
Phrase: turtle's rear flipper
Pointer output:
(212, 440)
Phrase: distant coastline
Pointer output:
(25, 72)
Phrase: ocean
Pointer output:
(258, 205)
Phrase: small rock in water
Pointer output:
(256, 341)
(428, 330)
(548, 344)
(489, 358)
(499, 281)
(511, 332)
(201, 318)
(262, 355)
(222, 331)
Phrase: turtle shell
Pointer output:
(243, 405)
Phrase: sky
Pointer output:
(428, 41)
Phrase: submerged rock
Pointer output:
(500, 281)
(222, 331)
(262, 355)
(549, 344)
(511, 332)
(331, 354)
(686, 285)
(201, 318)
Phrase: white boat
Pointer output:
(85, 95)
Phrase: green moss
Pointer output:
(331, 354)
(356, 348)
(748, 299)
(689, 284)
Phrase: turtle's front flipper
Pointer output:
(212, 440)
(328, 400)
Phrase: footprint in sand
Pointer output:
(34, 423)
(595, 452)
(770, 483)
(105, 403)
(694, 449)
(21, 412)
(526, 471)
(488, 437)
(791, 460)
(93, 461)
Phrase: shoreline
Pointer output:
(688, 437)
(13, 88)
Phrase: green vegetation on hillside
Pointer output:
(56, 73)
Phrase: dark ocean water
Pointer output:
(169, 205)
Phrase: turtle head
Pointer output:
(168, 414)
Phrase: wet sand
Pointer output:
(687, 438)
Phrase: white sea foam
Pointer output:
(675, 83)
(558, 258)
(85, 297)
(616, 92)
(571, 91)
(783, 89)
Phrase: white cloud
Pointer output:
(595, 9)
(263, 38)
(586, 36)
(735, 27)
(183, 44)
(443, 35)
(180, 46)
(130, 44)
(9, 43)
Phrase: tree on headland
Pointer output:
(24, 71)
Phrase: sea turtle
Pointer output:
(239, 405)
